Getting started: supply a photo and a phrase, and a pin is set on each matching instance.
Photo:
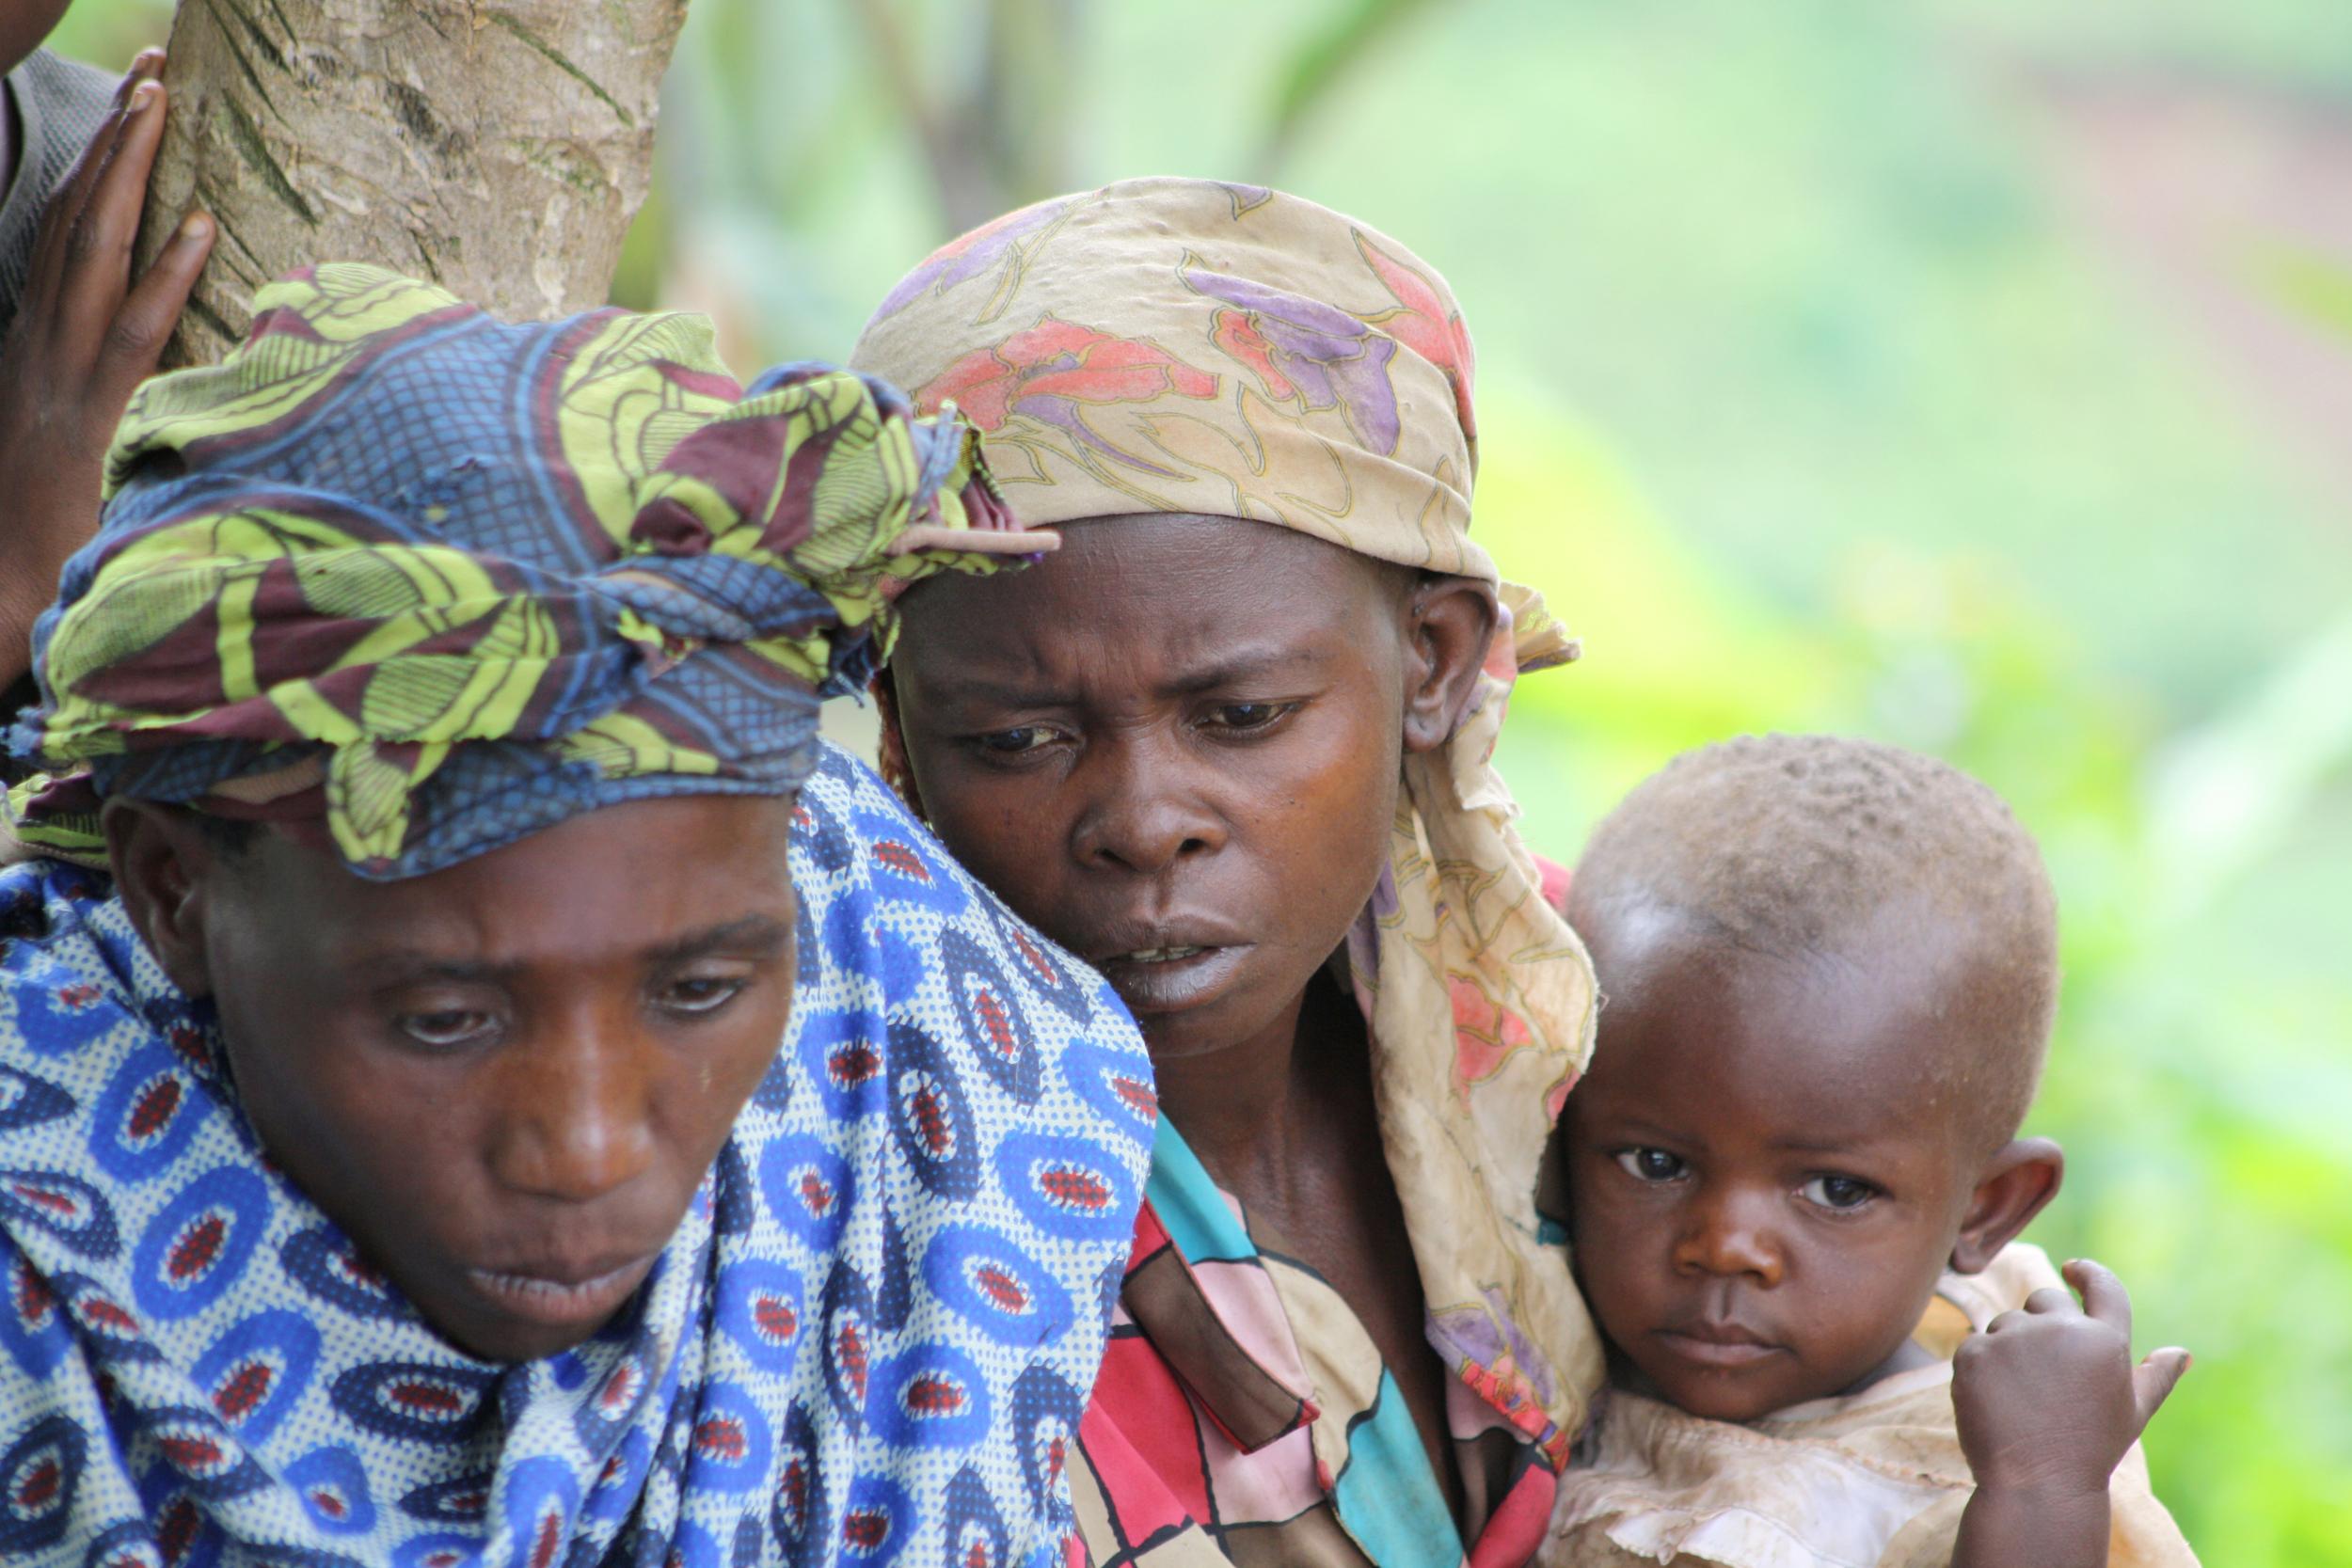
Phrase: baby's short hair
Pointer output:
(1784, 845)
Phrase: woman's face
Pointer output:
(505, 1080)
(22, 24)
(1174, 747)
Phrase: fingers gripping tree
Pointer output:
(498, 147)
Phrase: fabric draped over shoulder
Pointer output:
(1869, 1479)
(1184, 346)
(431, 581)
(868, 1343)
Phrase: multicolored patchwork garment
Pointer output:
(410, 584)
(1182, 346)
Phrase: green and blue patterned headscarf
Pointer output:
(416, 584)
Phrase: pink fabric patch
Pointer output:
(1278, 1482)
(1139, 1434)
(1245, 1299)
(1553, 878)
(1516, 1527)
(1484, 1030)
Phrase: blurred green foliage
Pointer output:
(1806, 400)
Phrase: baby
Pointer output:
(1794, 1179)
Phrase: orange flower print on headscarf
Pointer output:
(1050, 374)
(1427, 322)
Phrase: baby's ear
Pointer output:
(2014, 1184)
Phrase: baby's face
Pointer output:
(1765, 1177)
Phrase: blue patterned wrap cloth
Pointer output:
(869, 1342)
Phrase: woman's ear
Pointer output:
(2014, 1185)
(1449, 625)
(164, 867)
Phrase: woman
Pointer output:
(1229, 745)
(404, 1168)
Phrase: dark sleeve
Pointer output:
(59, 103)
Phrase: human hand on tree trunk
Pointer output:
(83, 338)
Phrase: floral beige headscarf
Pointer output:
(1184, 345)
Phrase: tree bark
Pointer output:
(500, 148)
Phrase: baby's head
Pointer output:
(1830, 968)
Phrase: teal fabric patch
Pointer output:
(1388, 1497)
(1188, 1203)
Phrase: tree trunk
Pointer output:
(498, 147)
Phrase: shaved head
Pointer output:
(1806, 849)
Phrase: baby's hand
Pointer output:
(82, 337)
(2048, 1402)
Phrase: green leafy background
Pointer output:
(1821, 389)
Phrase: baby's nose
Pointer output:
(1731, 1236)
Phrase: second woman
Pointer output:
(1230, 744)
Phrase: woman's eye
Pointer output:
(1028, 737)
(456, 1027)
(1249, 715)
(1840, 1192)
(702, 994)
(1653, 1164)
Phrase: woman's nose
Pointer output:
(1146, 814)
(1729, 1235)
(578, 1113)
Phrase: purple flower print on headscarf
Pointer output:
(967, 257)
(1306, 351)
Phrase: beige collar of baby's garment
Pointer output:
(1829, 1483)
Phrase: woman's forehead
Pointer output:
(1205, 582)
(694, 867)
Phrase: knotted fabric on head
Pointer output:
(416, 583)
(1182, 346)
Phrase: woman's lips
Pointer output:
(562, 1304)
(1171, 976)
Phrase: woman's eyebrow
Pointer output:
(973, 688)
(1233, 668)
(407, 966)
(756, 935)
(1247, 665)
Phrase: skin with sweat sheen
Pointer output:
(1768, 1169)
(503, 1082)
(1175, 747)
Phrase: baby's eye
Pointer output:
(1840, 1192)
(1653, 1164)
(702, 993)
(1028, 737)
(444, 1031)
